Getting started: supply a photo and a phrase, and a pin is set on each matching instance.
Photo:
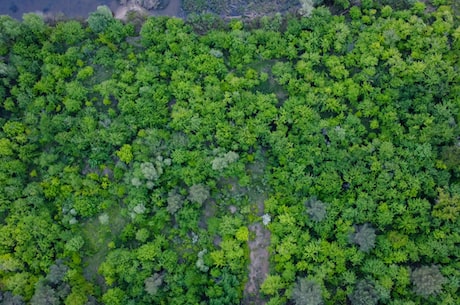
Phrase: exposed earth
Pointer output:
(69, 8)
(176, 8)
(259, 240)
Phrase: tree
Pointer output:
(307, 292)
(57, 272)
(427, 280)
(153, 283)
(364, 237)
(114, 296)
(447, 206)
(224, 160)
(101, 19)
(125, 153)
(198, 193)
(44, 295)
(35, 25)
(7, 298)
(74, 244)
(68, 33)
(10, 29)
(316, 209)
(307, 7)
(364, 293)
(272, 285)
(142, 235)
(175, 201)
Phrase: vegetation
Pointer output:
(132, 163)
(307, 292)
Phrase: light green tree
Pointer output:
(125, 153)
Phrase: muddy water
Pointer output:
(73, 8)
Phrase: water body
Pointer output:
(73, 8)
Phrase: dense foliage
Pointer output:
(135, 166)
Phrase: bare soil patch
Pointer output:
(259, 242)
(259, 264)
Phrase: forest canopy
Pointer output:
(277, 160)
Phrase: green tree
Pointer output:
(125, 153)
(67, 33)
(114, 296)
(447, 206)
(272, 285)
(101, 19)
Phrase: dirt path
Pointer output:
(259, 264)
(258, 246)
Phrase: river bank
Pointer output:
(80, 8)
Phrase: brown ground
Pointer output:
(71, 8)
(258, 244)
(81, 8)
(259, 264)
